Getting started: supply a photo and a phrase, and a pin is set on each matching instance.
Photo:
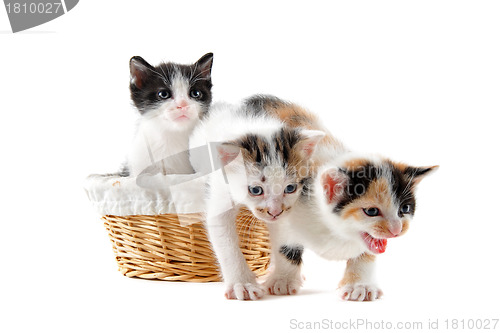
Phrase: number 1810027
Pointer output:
(34, 8)
(471, 324)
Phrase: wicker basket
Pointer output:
(150, 242)
(158, 247)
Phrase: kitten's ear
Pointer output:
(139, 71)
(204, 65)
(334, 182)
(418, 173)
(227, 152)
(310, 139)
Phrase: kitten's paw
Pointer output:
(360, 292)
(244, 291)
(283, 285)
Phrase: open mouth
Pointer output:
(375, 245)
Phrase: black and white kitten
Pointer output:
(171, 99)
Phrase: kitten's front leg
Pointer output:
(357, 284)
(239, 279)
(286, 259)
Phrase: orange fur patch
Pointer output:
(350, 277)
(382, 228)
(377, 195)
(353, 268)
(380, 193)
(398, 165)
(357, 163)
(295, 116)
(406, 226)
(352, 212)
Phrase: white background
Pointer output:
(417, 81)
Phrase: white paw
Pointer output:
(360, 292)
(244, 291)
(283, 285)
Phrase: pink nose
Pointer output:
(181, 104)
(395, 228)
(275, 212)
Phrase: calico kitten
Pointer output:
(171, 99)
(354, 205)
(263, 167)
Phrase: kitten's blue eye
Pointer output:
(405, 209)
(163, 94)
(290, 188)
(195, 94)
(255, 190)
(372, 211)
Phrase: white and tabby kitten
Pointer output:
(171, 99)
(261, 165)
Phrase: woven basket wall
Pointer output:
(158, 247)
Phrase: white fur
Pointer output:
(227, 123)
(283, 278)
(162, 139)
(360, 292)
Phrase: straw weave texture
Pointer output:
(159, 247)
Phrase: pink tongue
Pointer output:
(375, 245)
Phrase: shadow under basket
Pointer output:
(159, 247)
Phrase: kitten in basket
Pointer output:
(309, 189)
(171, 99)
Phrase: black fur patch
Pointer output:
(403, 189)
(361, 178)
(359, 181)
(261, 151)
(307, 184)
(256, 148)
(258, 104)
(293, 253)
(284, 141)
